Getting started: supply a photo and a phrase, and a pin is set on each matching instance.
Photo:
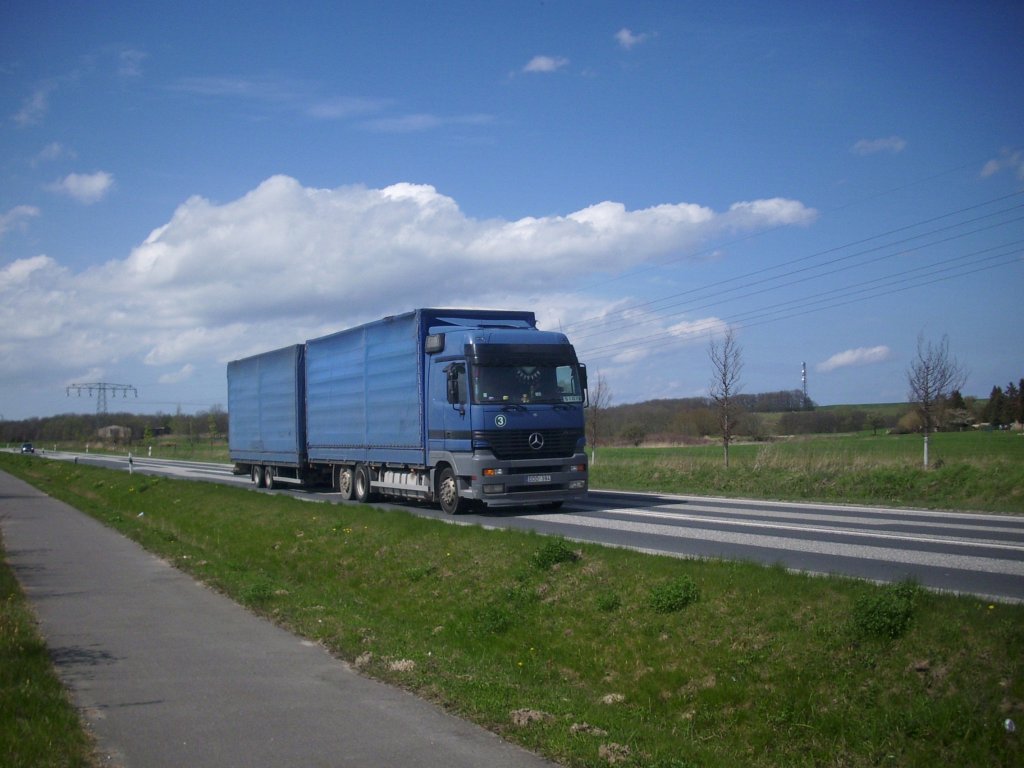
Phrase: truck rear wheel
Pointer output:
(361, 484)
(268, 478)
(257, 475)
(448, 492)
(345, 482)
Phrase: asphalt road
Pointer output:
(169, 673)
(965, 553)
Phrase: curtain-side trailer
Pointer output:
(453, 406)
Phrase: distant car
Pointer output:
(27, 448)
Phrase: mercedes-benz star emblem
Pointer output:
(536, 441)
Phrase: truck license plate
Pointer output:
(538, 478)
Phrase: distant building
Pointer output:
(115, 433)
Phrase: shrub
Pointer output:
(609, 601)
(502, 611)
(886, 612)
(674, 595)
(257, 592)
(554, 551)
(493, 619)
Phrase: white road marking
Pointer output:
(886, 554)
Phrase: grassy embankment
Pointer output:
(981, 471)
(596, 656)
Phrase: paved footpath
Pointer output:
(169, 673)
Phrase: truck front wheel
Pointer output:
(345, 482)
(448, 492)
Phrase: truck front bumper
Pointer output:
(507, 483)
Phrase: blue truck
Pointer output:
(459, 407)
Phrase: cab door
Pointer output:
(449, 422)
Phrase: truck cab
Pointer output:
(505, 415)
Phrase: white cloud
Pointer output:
(699, 330)
(424, 122)
(286, 262)
(52, 151)
(1007, 160)
(87, 188)
(628, 39)
(891, 144)
(176, 377)
(855, 357)
(130, 62)
(15, 217)
(36, 106)
(343, 108)
(545, 64)
(20, 271)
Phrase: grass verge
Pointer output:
(596, 656)
(38, 724)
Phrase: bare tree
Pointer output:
(727, 364)
(932, 377)
(600, 397)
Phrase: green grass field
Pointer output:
(596, 656)
(981, 471)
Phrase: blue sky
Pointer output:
(186, 184)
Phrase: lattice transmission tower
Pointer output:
(101, 388)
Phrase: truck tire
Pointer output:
(361, 484)
(257, 475)
(345, 482)
(268, 478)
(448, 492)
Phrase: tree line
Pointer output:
(84, 428)
(693, 419)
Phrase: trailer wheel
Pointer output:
(361, 484)
(448, 492)
(257, 475)
(345, 482)
(268, 478)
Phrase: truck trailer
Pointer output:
(454, 406)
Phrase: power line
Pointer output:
(593, 324)
(896, 282)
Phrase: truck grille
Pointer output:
(522, 444)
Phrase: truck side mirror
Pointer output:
(455, 386)
(583, 385)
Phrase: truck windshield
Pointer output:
(544, 383)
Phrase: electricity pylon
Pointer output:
(101, 388)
